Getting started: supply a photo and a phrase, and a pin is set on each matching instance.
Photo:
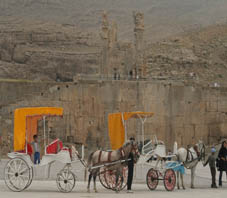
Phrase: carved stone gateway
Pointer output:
(138, 30)
(109, 39)
(105, 26)
(105, 45)
(140, 65)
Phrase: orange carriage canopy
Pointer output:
(116, 126)
(26, 119)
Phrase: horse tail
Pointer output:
(175, 148)
(89, 159)
(176, 156)
(85, 174)
(88, 164)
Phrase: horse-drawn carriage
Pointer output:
(118, 136)
(19, 169)
(111, 167)
(153, 148)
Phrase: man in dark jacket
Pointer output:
(222, 161)
(130, 170)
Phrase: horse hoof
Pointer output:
(183, 188)
(192, 187)
(88, 190)
(96, 191)
(178, 188)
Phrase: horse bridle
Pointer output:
(135, 149)
(202, 153)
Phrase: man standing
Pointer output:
(211, 160)
(0, 147)
(222, 161)
(130, 170)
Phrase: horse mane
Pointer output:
(126, 143)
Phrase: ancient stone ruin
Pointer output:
(91, 77)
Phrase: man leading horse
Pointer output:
(106, 158)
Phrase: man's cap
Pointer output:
(213, 150)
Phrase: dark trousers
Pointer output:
(213, 175)
(220, 177)
(37, 158)
(130, 176)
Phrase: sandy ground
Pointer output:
(47, 188)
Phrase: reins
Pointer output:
(200, 155)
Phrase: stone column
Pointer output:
(113, 35)
(140, 64)
(105, 45)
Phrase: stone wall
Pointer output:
(182, 113)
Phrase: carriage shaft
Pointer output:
(109, 164)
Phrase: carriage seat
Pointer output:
(54, 147)
(29, 150)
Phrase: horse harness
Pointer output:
(190, 158)
(122, 153)
(108, 158)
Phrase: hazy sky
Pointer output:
(161, 16)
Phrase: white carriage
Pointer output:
(153, 149)
(161, 166)
(19, 169)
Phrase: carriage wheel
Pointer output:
(65, 180)
(102, 175)
(110, 177)
(31, 178)
(18, 175)
(152, 179)
(169, 179)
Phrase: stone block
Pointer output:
(189, 135)
(43, 37)
(223, 129)
(22, 37)
(178, 121)
(19, 55)
(214, 130)
(5, 55)
(222, 105)
(211, 117)
(212, 106)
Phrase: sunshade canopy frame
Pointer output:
(117, 126)
(25, 124)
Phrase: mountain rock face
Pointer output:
(60, 39)
(38, 51)
(198, 57)
(29, 50)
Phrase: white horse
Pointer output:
(190, 158)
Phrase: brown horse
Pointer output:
(99, 157)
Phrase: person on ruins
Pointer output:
(222, 161)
